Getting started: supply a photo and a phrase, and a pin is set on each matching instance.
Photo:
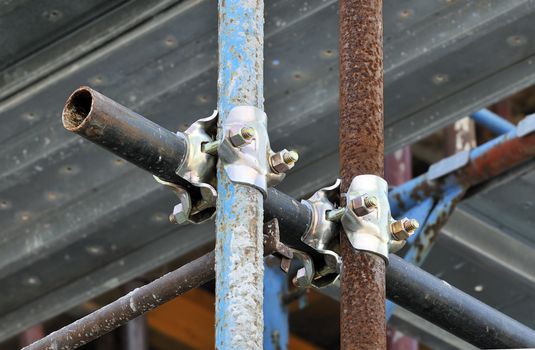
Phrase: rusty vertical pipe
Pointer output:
(363, 321)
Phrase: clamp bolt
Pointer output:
(335, 215)
(404, 228)
(245, 135)
(178, 216)
(363, 205)
(290, 157)
(300, 280)
(210, 147)
(283, 161)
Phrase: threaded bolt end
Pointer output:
(411, 225)
(370, 202)
(290, 157)
(247, 132)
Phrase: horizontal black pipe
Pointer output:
(294, 219)
(130, 306)
(453, 310)
(407, 285)
(119, 130)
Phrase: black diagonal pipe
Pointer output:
(119, 130)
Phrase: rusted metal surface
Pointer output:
(201, 271)
(512, 151)
(130, 306)
(240, 213)
(460, 136)
(363, 323)
(138, 140)
(398, 166)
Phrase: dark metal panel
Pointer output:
(28, 26)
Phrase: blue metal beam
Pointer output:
(492, 121)
(239, 218)
(276, 325)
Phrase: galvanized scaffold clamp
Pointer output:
(321, 234)
(245, 150)
(367, 220)
(198, 169)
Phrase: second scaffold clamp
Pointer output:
(367, 220)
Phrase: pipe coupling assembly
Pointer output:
(322, 232)
(245, 151)
(367, 221)
(198, 169)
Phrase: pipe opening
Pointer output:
(77, 109)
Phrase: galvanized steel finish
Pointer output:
(239, 220)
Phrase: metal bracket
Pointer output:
(322, 232)
(304, 277)
(199, 170)
(448, 165)
(273, 245)
(245, 150)
(367, 220)
(526, 126)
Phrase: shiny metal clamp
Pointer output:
(322, 232)
(367, 220)
(199, 169)
(245, 151)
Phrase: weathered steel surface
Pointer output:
(130, 306)
(363, 320)
(134, 138)
(440, 303)
(239, 218)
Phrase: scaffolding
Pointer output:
(224, 166)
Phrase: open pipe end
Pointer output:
(77, 108)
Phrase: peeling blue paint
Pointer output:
(239, 218)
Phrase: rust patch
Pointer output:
(363, 321)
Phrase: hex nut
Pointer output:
(241, 137)
(283, 161)
(300, 280)
(403, 229)
(363, 205)
(179, 216)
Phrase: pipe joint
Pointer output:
(198, 169)
(245, 151)
(322, 232)
(367, 220)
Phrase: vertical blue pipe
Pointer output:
(276, 325)
(492, 121)
(239, 216)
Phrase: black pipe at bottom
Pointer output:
(453, 310)
(406, 285)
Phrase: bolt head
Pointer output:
(241, 137)
(363, 205)
(283, 161)
(179, 216)
(300, 280)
